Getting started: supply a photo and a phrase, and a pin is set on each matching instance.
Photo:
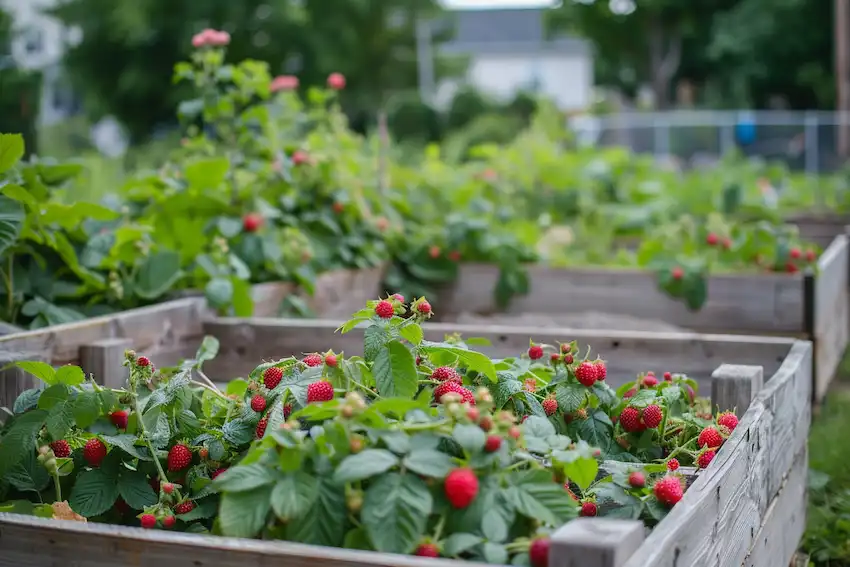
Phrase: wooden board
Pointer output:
(246, 342)
(831, 312)
(820, 228)
(747, 491)
(340, 293)
(752, 303)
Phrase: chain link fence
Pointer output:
(805, 141)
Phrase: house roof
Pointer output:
(519, 30)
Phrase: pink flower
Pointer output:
(201, 39)
(336, 81)
(284, 83)
(219, 38)
(210, 37)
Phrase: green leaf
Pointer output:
(86, 408)
(395, 371)
(208, 349)
(470, 437)
(219, 292)
(20, 439)
(12, 217)
(364, 465)
(94, 492)
(506, 387)
(157, 274)
(294, 495)
(134, 488)
(53, 395)
(70, 375)
(596, 429)
(60, 416)
(374, 338)
(494, 527)
(326, 521)
(395, 512)
(40, 370)
(540, 427)
(27, 400)
(457, 543)
(243, 514)
(412, 333)
(238, 431)
(494, 553)
(545, 502)
(429, 462)
(481, 363)
(11, 150)
(126, 443)
(243, 303)
(582, 471)
(28, 474)
(570, 396)
(244, 477)
(207, 174)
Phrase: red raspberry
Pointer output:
(143, 361)
(330, 360)
(167, 487)
(169, 521)
(94, 452)
(550, 406)
(218, 472)
(514, 431)
(586, 374)
(494, 442)
(555, 358)
(461, 487)
(203, 452)
(321, 391)
(568, 358)
(691, 394)
(795, 253)
(449, 386)
(313, 360)
(184, 507)
(630, 419)
(446, 374)
(637, 480)
(668, 377)
(672, 464)
(811, 256)
(706, 458)
(668, 490)
(384, 309)
(272, 377)
(473, 414)
(677, 273)
(601, 371)
(148, 521)
(565, 348)
(119, 418)
(652, 416)
(427, 550)
(649, 381)
(258, 403)
(588, 509)
(61, 449)
(535, 352)
(261, 427)
(287, 411)
(538, 552)
(179, 457)
(709, 437)
(424, 308)
(299, 157)
(398, 297)
(728, 420)
(486, 423)
(711, 239)
(629, 393)
(252, 222)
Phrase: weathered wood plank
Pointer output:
(245, 342)
(745, 303)
(819, 227)
(268, 297)
(27, 541)
(831, 312)
(340, 293)
(595, 542)
(733, 387)
(13, 380)
(104, 359)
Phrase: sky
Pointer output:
(469, 4)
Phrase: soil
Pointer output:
(589, 320)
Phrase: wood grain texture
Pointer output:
(245, 342)
(743, 303)
(717, 521)
(13, 380)
(832, 312)
(819, 227)
(733, 387)
(595, 542)
(104, 359)
(268, 297)
(340, 293)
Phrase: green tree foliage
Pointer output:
(20, 90)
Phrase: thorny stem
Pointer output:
(206, 379)
(146, 439)
(212, 389)
(365, 389)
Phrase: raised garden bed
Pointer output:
(819, 227)
(811, 306)
(752, 493)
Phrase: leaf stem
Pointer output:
(146, 439)
(57, 486)
(424, 426)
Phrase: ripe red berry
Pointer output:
(217, 472)
(637, 480)
(179, 457)
(550, 406)
(601, 371)
(711, 239)
(61, 449)
(811, 256)
(649, 381)
(119, 418)
(261, 427)
(427, 550)
(454, 256)
(486, 423)
(629, 393)
(668, 377)
(586, 374)
(167, 487)
(472, 414)
(588, 509)
(148, 521)
(313, 360)
(677, 273)
(709, 437)
(727, 420)
(795, 253)
(252, 222)
(272, 377)
(321, 391)
(287, 410)
(94, 452)
(672, 464)
(384, 309)
(258, 403)
(336, 81)
(652, 416)
(338, 207)
(424, 308)
(705, 459)
(668, 490)
(453, 387)
(169, 521)
(461, 487)
(330, 360)
(493, 443)
(434, 252)
(143, 361)
(555, 358)
(630, 419)
(514, 432)
(538, 552)
(791, 268)
(184, 507)
(568, 358)
(299, 157)
(446, 374)
(565, 348)
(535, 352)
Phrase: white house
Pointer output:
(509, 52)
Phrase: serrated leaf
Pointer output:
(40, 370)
(546, 502)
(505, 387)
(540, 427)
(412, 333)
(374, 338)
(126, 443)
(596, 429)
(70, 375)
(239, 431)
(395, 372)
(476, 361)
(570, 396)
(243, 514)
(244, 477)
(534, 406)
(325, 523)
(86, 408)
(457, 543)
(94, 492)
(294, 495)
(134, 488)
(28, 474)
(429, 462)
(395, 512)
(470, 437)
(27, 400)
(365, 464)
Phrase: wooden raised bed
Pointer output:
(752, 493)
(819, 227)
(815, 307)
